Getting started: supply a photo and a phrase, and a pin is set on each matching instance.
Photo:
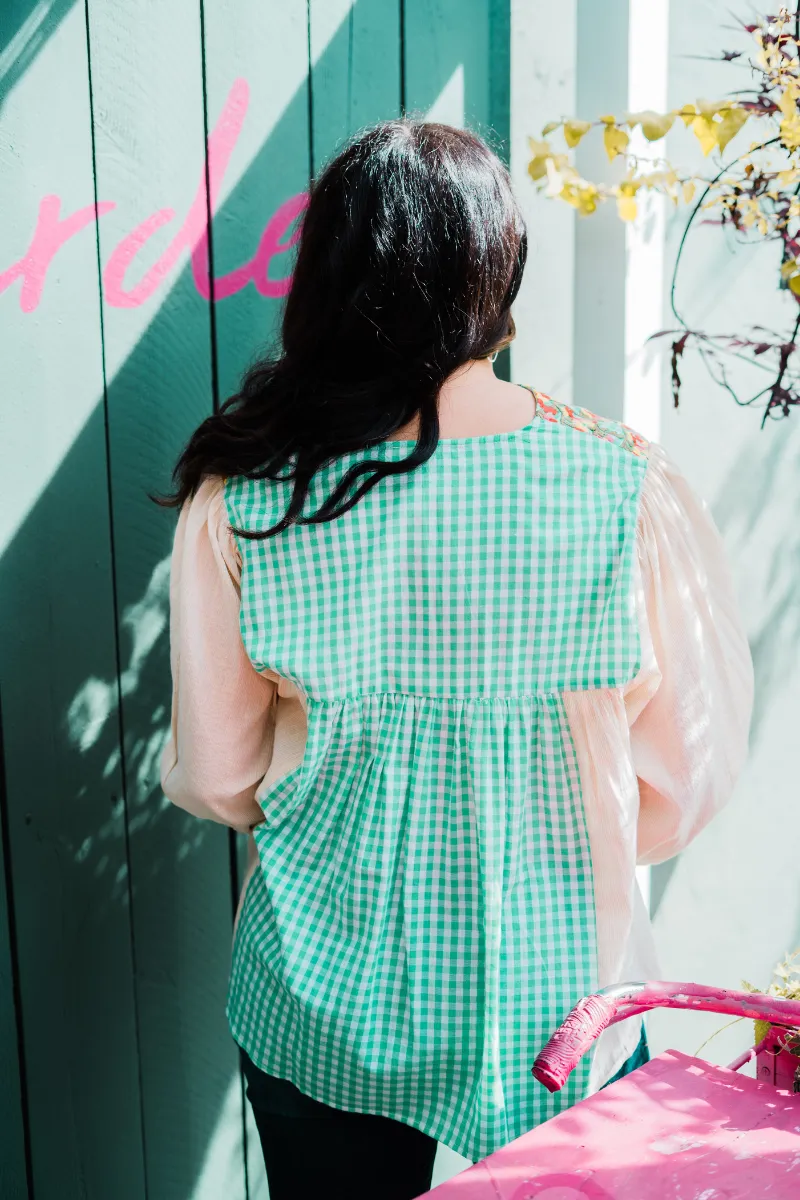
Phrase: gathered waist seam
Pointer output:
(553, 693)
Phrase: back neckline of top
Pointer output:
(477, 437)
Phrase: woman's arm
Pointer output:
(690, 714)
(220, 742)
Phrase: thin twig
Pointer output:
(716, 1031)
(693, 214)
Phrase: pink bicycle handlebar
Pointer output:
(597, 1012)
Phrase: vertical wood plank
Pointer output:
(500, 76)
(456, 59)
(543, 87)
(14, 1179)
(448, 69)
(58, 664)
(355, 74)
(147, 82)
(500, 110)
(602, 87)
(256, 70)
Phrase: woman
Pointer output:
(458, 657)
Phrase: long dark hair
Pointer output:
(410, 256)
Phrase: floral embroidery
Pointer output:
(588, 422)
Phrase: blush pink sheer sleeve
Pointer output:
(660, 756)
(690, 713)
(220, 742)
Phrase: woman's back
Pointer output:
(454, 687)
(426, 879)
(502, 568)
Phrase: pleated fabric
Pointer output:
(423, 916)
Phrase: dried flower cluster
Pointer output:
(785, 982)
(757, 193)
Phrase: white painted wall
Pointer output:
(731, 903)
(729, 907)
(543, 86)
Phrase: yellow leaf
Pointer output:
(688, 191)
(574, 131)
(587, 200)
(790, 131)
(705, 131)
(537, 167)
(730, 124)
(709, 108)
(654, 125)
(615, 141)
(762, 1029)
(788, 101)
(627, 207)
(608, 119)
(581, 195)
(687, 114)
(550, 127)
(788, 268)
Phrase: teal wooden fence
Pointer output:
(119, 1079)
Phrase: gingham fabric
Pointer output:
(423, 915)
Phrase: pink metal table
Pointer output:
(677, 1128)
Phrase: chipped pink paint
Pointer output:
(675, 1129)
(568, 1185)
(51, 232)
(595, 1013)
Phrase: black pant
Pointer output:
(313, 1151)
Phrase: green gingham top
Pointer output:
(423, 915)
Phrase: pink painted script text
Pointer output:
(52, 231)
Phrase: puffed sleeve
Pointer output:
(220, 742)
(690, 712)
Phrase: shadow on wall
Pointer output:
(765, 546)
(27, 27)
(123, 904)
(749, 514)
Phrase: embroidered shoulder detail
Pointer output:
(588, 422)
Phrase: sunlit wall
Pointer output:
(121, 326)
(729, 907)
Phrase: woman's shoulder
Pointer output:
(584, 421)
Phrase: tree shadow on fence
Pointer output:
(123, 904)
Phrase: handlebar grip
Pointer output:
(571, 1040)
